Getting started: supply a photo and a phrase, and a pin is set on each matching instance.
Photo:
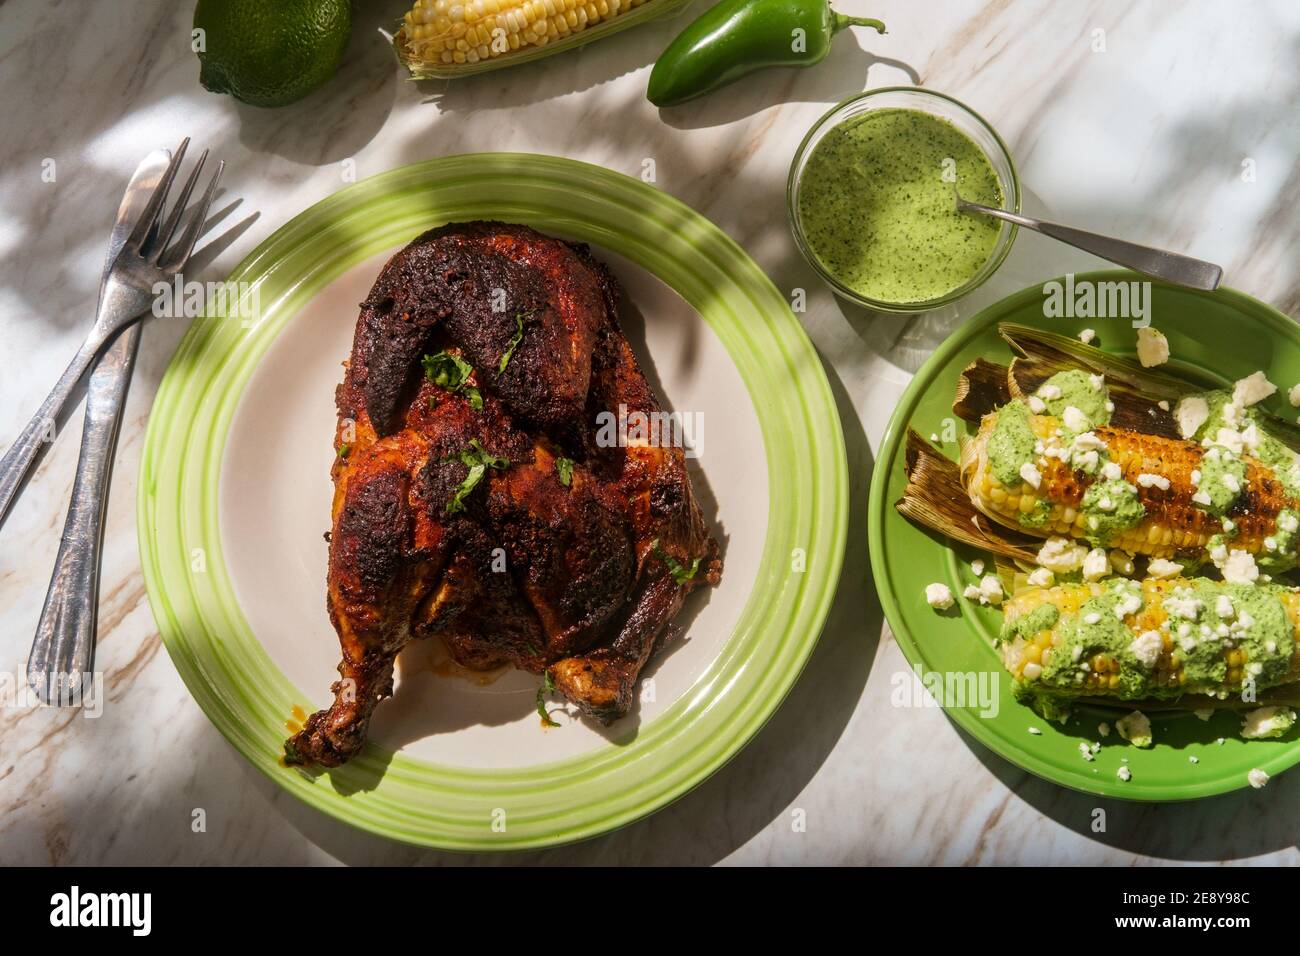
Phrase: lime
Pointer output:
(269, 52)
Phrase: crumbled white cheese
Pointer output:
(1124, 774)
(1085, 751)
(1257, 778)
(1032, 671)
(1092, 617)
(1162, 405)
(1035, 731)
(1031, 475)
(1050, 392)
(1096, 565)
(1193, 759)
(1251, 390)
(1061, 555)
(1128, 604)
(1192, 412)
(1229, 438)
(1152, 347)
(1240, 568)
(1087, 335)
(1224, 607)
(1075, 420)
(1037, 405)
(991, 589)
(1183, 603)
(1146, 647)
(1111, 471)
(1041, 578)
(1288, 522)
(1294, 396)
(973, 593)
(1163, 568)
(1135, 728)
(938, 596)
(1267, 722)
(1147, 480)
(977, 567)
(1250, 438)
(1103, 730)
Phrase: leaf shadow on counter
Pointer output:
(752, 793)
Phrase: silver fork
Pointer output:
(145, 259)
(72, 598)
(64, 646)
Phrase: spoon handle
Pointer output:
(1157, 263)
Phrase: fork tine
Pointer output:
(153, 210)
(165, 235)
(176, 257)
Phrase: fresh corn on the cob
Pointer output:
(1172, 524)
(1163, 638)
(446, 33)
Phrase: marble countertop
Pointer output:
(1130, 119)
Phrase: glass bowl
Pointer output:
(968, 122)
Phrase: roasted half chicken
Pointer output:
(477, 496)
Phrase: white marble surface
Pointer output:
(1145, 139)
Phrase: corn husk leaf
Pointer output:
(981, 388)
(935, 499)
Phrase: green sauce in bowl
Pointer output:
(876, 206)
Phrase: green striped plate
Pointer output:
(231, 674)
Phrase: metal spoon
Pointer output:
(1157, 263)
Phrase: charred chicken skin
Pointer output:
(477, 498)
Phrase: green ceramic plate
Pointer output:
(766, 638)
(1225, 334)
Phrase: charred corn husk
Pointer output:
(1162, 475)
(443, 38)
(1159, 639)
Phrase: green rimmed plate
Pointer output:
(1226, 335)
(234, 497)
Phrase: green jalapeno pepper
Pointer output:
(737, 37)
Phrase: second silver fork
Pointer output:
(63, 649)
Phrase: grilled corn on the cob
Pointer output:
(1157, 639)
(1160, 473)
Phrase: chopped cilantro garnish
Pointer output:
(564, 468)
(514, 341)
(477, 459)
(679, 571)
(344, 449)
(452, 372)
(547, 685)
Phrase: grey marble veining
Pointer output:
(1145, 138)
